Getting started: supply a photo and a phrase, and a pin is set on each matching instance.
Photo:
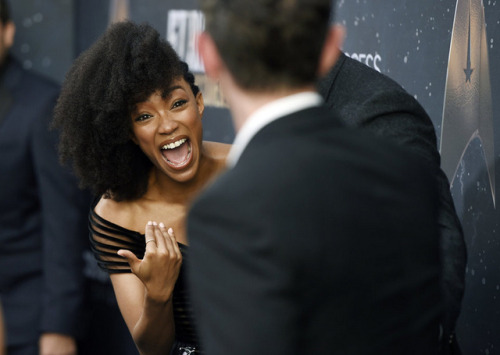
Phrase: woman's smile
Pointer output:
(177, 154)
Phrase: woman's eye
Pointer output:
(142, 117)
(179, 103)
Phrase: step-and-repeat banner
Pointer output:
(444, 52)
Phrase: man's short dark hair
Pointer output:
(269, 44)
(4, 12)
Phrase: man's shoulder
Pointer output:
(345, 166)
(354, 72)
(366, 82)
(40, 83)
(359, 92)
(280, 159)
(22, 81)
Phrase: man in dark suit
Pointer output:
(318, 239)
(362, 97)
(42, 216)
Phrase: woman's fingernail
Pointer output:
(170, 231)
(162, 225)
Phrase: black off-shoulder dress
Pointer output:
(107, 238)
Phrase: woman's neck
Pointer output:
(162, 187)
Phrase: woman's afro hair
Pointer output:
(123, 67)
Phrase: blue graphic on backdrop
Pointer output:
(467, 112)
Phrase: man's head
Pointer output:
(7, 30)
(269, 44)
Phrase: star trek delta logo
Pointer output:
(467, 112)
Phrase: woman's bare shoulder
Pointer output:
(117, 212)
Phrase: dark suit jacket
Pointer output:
(320, 240)
(363, 97)
(42, 214)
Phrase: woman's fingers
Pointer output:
(132, 260)
(175, 245)
(160, 240)
(150, 238)
(166, 238)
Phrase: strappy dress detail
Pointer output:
(107, 238)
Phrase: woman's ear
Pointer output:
(134, 139)
(200, 103)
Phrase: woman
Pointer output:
(130, 120)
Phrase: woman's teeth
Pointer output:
(174, 144)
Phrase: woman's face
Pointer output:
(169, 130)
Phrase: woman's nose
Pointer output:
(167, 125)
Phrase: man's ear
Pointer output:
(331, 48)
(8, 33)
(210, 55)
(200, 103)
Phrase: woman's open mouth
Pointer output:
(177, 154)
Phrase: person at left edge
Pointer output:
(40, 257)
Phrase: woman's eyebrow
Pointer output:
(172, 88)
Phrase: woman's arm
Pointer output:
(145, 297)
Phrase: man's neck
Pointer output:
(244, 103)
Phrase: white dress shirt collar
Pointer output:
(267, 114)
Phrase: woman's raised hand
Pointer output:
(159, 268)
